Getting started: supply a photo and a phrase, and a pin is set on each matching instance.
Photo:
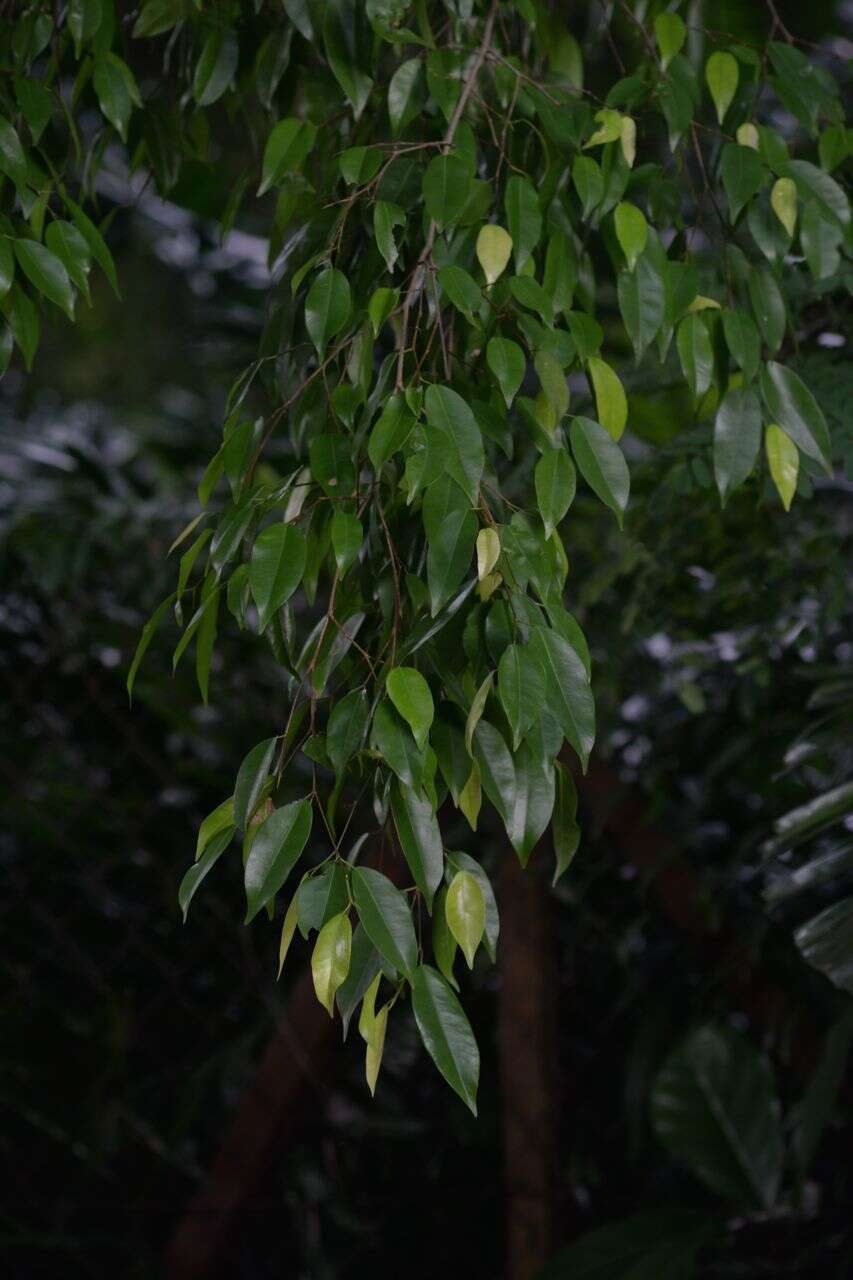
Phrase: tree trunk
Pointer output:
(528, 996)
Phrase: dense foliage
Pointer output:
(451, 213)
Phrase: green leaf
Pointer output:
(276, 568)
(96, 243)
(553, 381)
(363, 970)
(631, 231)
(359, 164)
(449, 556)
(147, 635)
(276, 848)
(721, 76)
(610, 400)
(494, 246)
(768, 306)
(319, 897)
(715, 1110)
(783, 459)
(392, 738)
(72, 249)
(567, 688)
(327, 307)
(346, 727)
(347, 536)
(465, 910)
(670, 33)
(641, 303)
(217, 63)
(444, 945)
(446, 189)
(453, 424)
(386, 217)
(524, 219)
(814, 184)
(213, 851)
(420, 838)
(330, 959)
(405, 94)
(475, 711)
(521, 688)
(506, 360)
(695, 353)
(251, 779)
(601, 464)
(46, 273)
(446, 1033)
(84, 18)
(743, 175)
(157, 16)
(555, 480)
(588, 183)
(411, 695)
(564, 829)
(532, 800)
(13, 158)
(390, 432)
(825, 943)
(379, 308)
(387, 920)
(286, 150)
(737, 438)
(462, 290)
(497, 771)
(347, 39)
(743, 342)
(215, 822)
(821, 239)
(117, 91)
(792, 406)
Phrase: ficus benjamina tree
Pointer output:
(447, 204)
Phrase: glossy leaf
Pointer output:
(555, 482)
(465, 909)
(384, 912)
(494, 247)
(276, 568)
(610, 402)
(446, 188)
(631, 231)
(602, 464)
(276, 848)
(446, 1033)
(695, 353)
(721, 76)
(783, 460)
(330, 959)
(506, 360)
(327, 307)
(420, 838)
(251, 778)
(568, 693)
(792, 406)
(737, 438)
(410, 694)
(46, 273)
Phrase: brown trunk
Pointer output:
(528, 996)
(289, 1071)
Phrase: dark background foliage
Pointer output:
(129, 1038)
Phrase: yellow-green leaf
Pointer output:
(367, 1015)
(783, 199)
(331, 958)
(494, 246)
(610, 128)
(670, 33)
(288, 929)
(610, 401)
(783, 458)
(411, 695)
(747, 136)
(465, 909)
(375, 1048)
(471, 796)
(631, 231)
(628, 140)
(721, 75)
(488, 552)
(474, 715)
